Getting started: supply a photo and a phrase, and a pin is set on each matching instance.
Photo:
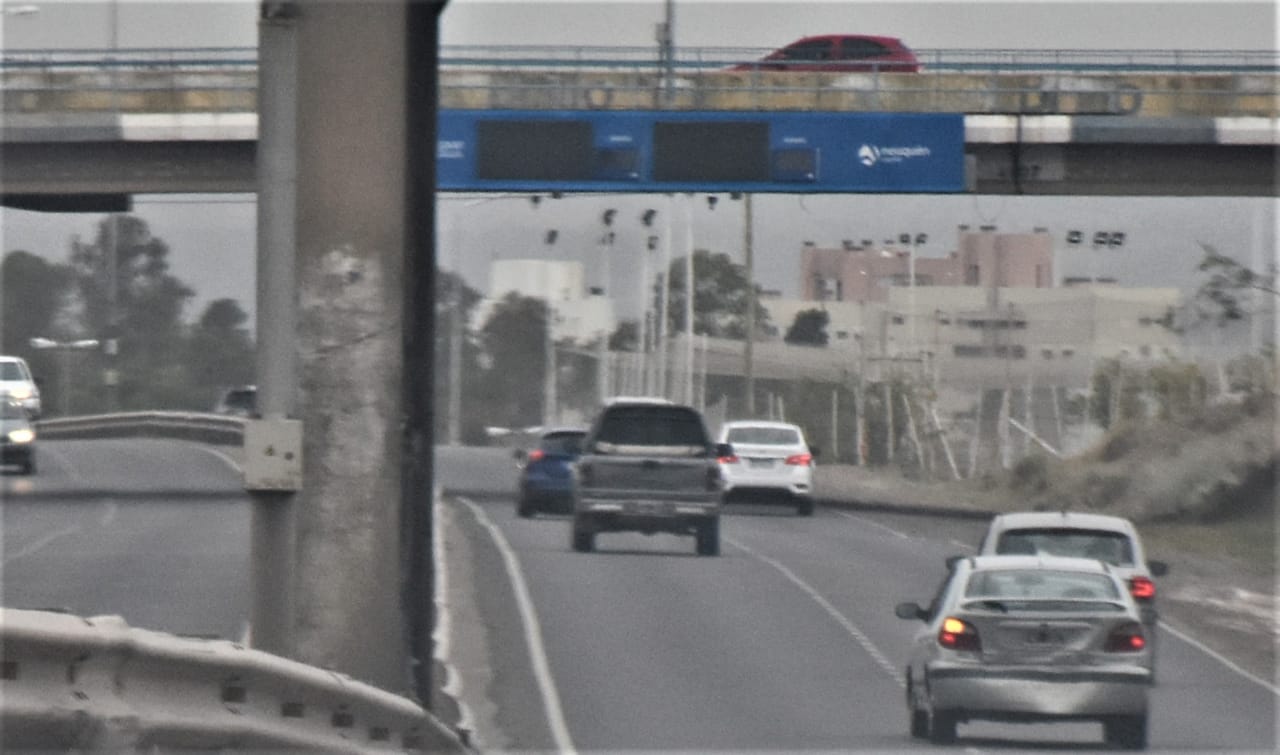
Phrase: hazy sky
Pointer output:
(212, 238)
(1093, 24)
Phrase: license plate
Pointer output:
(647, 508)
(1044, 637)
(761, 463)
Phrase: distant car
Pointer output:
(772, 463)
(17, 384)
(1111, 539)
(241, 401)
(18, 436)
(851, 53)
(546, 478)
(1029, 639)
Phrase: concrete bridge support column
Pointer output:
(359, 229)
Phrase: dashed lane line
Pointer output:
(853, 629)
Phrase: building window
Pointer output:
(1068, 353)
(1046, 353)
(898, 320)
(971, 277)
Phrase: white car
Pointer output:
(17, 384)
(771, 461)
(1110, 539)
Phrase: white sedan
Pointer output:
(771, 462)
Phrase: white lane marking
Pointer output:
(884, 527)
(532, 633)
(903, 535)
(854, 631)
(443, 633)
(246, 634)
(1193, 642)
(109, 513)
(36, 545)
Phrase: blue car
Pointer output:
(546, 480)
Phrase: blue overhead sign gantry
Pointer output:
(666, 151)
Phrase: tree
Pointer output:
(720, 298)
(1232, 287)
(809, 328)
(138, 303)
(514, 342)
(626, 337)
(220, 352)
(455, 299)
(37, 298)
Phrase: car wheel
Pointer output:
(584, 540)
(1126, 732)
(29, 467)
(805, 507)
(524, 509)
(919, 717)
(709, 538)
(942, 727)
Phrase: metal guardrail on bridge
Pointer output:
(216, 429)
(1142, 82)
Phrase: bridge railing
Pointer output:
(224, 80)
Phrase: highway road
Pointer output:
(154, 531)
(786, 642)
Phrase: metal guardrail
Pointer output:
(96, 684)
(685, 59)
(1134, 82)
(217, 429)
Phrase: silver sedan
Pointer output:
(1027, 639)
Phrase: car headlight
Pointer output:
(22, 392)
(22, 435)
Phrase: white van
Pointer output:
(17, 384)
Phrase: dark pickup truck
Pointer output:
(648, 465)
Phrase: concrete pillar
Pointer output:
(351, 239)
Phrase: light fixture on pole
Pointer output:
(651, 243)
(1100, 240)
(606, 217)
(549, 408)
(65, 349)
(911, 242)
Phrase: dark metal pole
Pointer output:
(421, 91)
(748, 368)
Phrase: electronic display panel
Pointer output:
(796, 164)
(534, 150)
(711, 151)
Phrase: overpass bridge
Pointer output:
(83, 130)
